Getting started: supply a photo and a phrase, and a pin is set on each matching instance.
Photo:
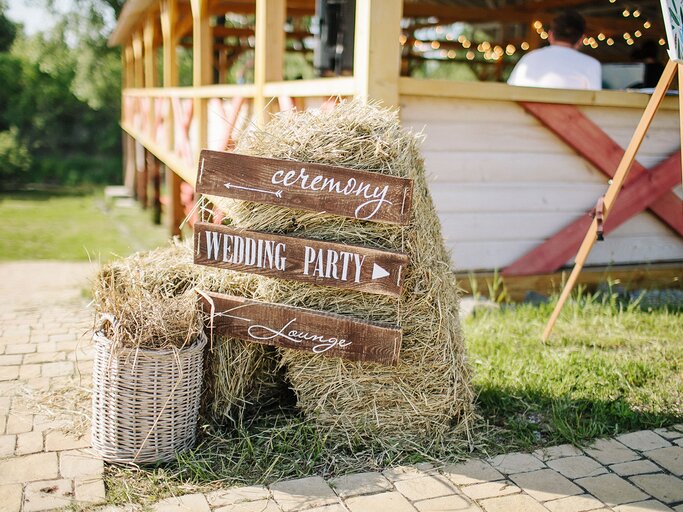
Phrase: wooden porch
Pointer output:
(515, 170)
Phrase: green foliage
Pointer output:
(14, 157)
(8, 30)
(61, 93)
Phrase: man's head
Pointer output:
(567, 28)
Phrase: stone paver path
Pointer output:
(46, 462)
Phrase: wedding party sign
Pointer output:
(302, 329)
(300, 259)
(327, 189)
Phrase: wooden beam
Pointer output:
(598, 148)
(269, 50)
(294, 7)
(202, 60)
(632, 277)
(377, 54)
(514, 14)
(150, 62)
(138, 64)
(169, 20)
(640, 193)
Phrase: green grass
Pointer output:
(610, 368)
(63, 225)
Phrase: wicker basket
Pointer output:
(145, 403)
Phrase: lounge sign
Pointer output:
(300, 259)
(327, 189)
(302, 329)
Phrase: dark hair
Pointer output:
(568, 27)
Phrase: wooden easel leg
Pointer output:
(614, 188)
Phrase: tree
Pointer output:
(8, 29)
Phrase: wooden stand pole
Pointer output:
(615, 187)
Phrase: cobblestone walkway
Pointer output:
(46, 462)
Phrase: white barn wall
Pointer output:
(502, 183)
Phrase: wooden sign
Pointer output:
(300, 259)
(302, 329)
(351, 193)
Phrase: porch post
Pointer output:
(201, 66)
(269, 50)
(377, 51)
(169, 18)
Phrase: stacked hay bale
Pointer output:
(430, 389)
(152, 298)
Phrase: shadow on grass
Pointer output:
(527, 420)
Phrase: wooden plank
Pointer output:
(502, 92)
(300, 259)
(633, 277)
(325, 334)
(634, 198)
(350, 193)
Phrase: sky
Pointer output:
(31, 15)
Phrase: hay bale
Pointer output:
(152, 299)
(431, 386)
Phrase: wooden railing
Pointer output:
(163, 120)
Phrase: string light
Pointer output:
(435, 45)
(466, 44)
(470, 55)
(449, 37)
(524, 46)
(451, 54)
(538, 25)
(636, 13)
(647, 24)
(601, 36)
(610, 41)
(439, 29)
(637, 33)
(627, 35)
(629, 41)
(626, 13)
(544, 35)
(510, 49)
(486, 45)
(594, 44)
(662, 42)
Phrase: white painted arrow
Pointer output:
(378, 272)
(277, 194)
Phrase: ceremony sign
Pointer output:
(327, 189)
(302, 329)
(300, 259)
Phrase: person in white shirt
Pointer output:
(560, 65)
